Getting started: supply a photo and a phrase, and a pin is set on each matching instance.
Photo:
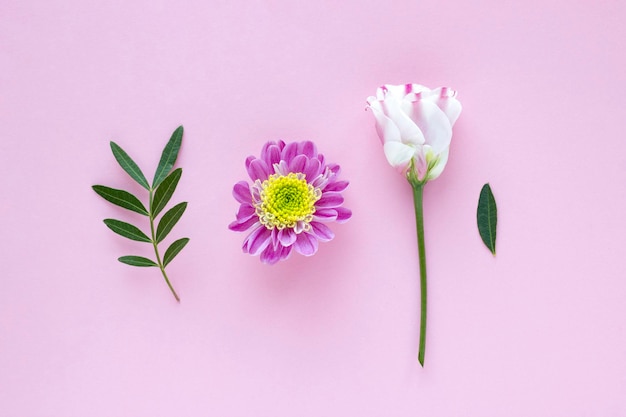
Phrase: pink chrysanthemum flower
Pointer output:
(293, 194)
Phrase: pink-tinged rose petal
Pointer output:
(312, 169)
(258, 170)
(322, 232)
(445, 98)
(287, 237)
(398, 154)
(241, 192)
(242, 226)
(325, 215)
(298, 164)
(306, 244)
(434, 124)
(337, 186)
(258, 240)
(385, 127)
(329, 200)
(409, 132)
(307, 148)
(289, 152)
(343, 214)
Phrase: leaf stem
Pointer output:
(156, 249)
(418, 194)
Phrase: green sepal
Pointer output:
(487, 217)
(127, 230)
(173, 250)
(137, 261)
(168, 157)
(121, 198)
(169, 220)
(128, 165)
(163, 194)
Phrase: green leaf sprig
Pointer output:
(487, 218)
(159, 194)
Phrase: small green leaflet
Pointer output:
(159, 194)
(137, 261)
(129, 165)
(487, 218)
(121, 198)
(169, 220)
(168, 157)
(163, 194)
(127, 230)
(173, 250)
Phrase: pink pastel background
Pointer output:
(540, 330)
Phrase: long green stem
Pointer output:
(418, 194)
(156, 250)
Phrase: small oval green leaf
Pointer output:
(163, 194)
(129, 165)
(137, 261)
(168, 157)
(169, 220)
(121, 198)
(173, 250)
(127, 230)
(487, 217)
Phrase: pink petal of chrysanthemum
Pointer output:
(270, 255)
(337, 186)
(321, 231)
(307, 148)
(289, 152)
(271, 154)
(325, 215)
(306, 244)
(245, 212)
(298, 163)
(241, 192)
(242, 226)
(281, 168)
(312, 169)
(258, 170)
(258, 240)
(343, 214)
(287, 237)
(329, 200)
(334, 168)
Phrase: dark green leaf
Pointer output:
(121, 198)
(165, 191)
(487, 217)
(126, 230)
(169, 220)
(173, 250)
(168, 157)
(129, 165)
(137, 261)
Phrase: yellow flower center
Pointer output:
(287, 201)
